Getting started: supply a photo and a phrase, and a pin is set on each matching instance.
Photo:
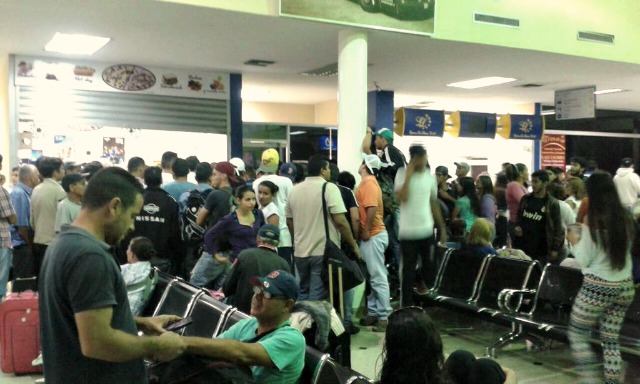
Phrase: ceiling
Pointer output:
(417, 68)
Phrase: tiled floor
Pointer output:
(552, 366)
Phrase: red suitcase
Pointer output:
(19, 333)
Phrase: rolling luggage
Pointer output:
(19, 333)
(339, 345)
(22, 284)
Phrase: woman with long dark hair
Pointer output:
(468, 204)
(603, 252)
(488, 206)
(517, 175)
(413, 354)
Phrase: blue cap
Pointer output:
(289, 170)
(279, 283)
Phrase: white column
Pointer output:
(352, 98)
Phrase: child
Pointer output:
(69, 208)
(137, 274)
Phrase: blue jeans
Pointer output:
(378, 302)
(5, 265)
(348, 306)
(208, 271)
(308, 271)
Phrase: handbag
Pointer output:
(352, 273)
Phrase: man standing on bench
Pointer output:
(266, 342)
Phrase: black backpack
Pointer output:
(192, 233)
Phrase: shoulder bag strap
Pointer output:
(324, 213)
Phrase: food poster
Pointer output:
(121, 77)
(113, 149)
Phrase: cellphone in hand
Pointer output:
(178, 325)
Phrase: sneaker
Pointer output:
(351, 329)
(368, 321)
(381, 326)
(37, 361)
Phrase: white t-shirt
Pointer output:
(416, 218)
(272, 209)
(280, 200)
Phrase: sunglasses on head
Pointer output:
(266, 294)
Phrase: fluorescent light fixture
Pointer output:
(76, 44)
(256, 141)
(605, 91)
(482, 82)
(548, 112)
(297, 133)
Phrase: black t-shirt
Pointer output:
(218, 205)
(395, 157)
(349, 202)
(251, 262)
(79, 274)
(533, 223)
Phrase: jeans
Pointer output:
(391, 223)
(208, 271)
(308, 271)
(348, 306)
(5, 266)
(412, 252)
(378, 302)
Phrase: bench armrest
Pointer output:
(506, 295)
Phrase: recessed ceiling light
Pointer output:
(482, 82)
(76, 44)
(605, 91)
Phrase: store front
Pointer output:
(94, 111)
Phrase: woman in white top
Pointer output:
(266, 192)
(574, 189)
(603, 252)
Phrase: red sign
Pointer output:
(553, 151)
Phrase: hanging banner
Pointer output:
(472, 124)
(553, 151)
(120, 77)
(526, 127)
(419, 122)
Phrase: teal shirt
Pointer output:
(285, 347)
(464, 204)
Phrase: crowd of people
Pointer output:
(91, 237)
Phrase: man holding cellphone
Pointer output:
(266, 342)
(87, 330)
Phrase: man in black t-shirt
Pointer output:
(252, 262)
(538, 222)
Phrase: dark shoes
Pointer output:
(378, 325)
(368, 321)
(351, 329)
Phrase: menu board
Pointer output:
(577, 103)
(121, 77)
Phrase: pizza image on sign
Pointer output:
(128, 77)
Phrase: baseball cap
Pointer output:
(463, 165)
(627, 162)
(386, 134)
(289, 170)
(278, 283)
(238, 163)
(269, 231)
(270, 160)
(226, 167)
(70, 179)
(372, 162)
(444, 171)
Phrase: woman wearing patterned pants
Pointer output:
(602, 250)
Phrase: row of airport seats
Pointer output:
(534, 302)
(174, 296)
